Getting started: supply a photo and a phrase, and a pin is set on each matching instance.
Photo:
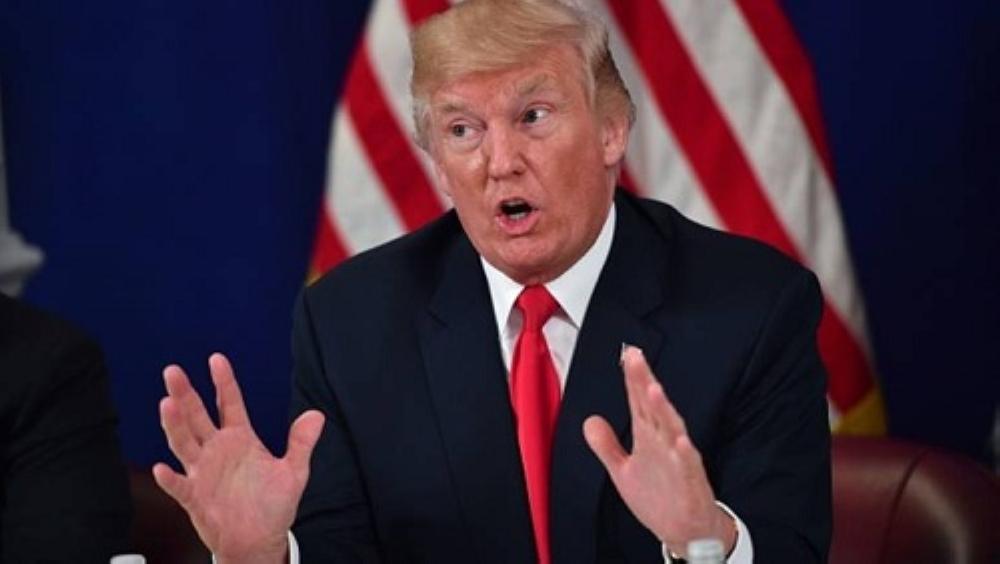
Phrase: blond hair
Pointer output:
(495, 35)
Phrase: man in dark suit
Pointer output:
(64, 488)
(463, 387)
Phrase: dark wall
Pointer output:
(169, 156)
(911, 98)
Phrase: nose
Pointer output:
(503, 150)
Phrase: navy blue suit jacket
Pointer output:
(419, 460)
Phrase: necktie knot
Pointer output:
(537, 305)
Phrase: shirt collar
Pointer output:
(572, 289)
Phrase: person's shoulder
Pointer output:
(698, 245)
(41, 356)
(399, 269)
(27, 331)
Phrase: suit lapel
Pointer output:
(468, 386)
(629, 288)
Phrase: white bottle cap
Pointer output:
(706, 550)
(128, 559)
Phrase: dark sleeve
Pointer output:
(773, 468)
(333, 522)
(65, 488)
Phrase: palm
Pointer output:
(662, 481)
(242, 491)
(662, 492)
(241, 499)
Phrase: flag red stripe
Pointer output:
(329, 249)
(699, 126)
(386, 145)
(627, 181)
(419, 10)
(850, 375)
(781, 45)
(724, 172)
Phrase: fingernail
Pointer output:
(624, 351)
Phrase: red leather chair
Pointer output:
(161, 530)
(895, 501)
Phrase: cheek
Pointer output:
(463, 174)
(449, 176)
(574, 171)
(463, 179)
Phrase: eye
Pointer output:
(534, 115)
(462, 135)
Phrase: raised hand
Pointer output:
(240, 498)
(662, 481)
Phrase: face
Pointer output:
(528, 163)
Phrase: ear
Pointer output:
(614, 139)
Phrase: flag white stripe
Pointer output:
(355, 198)
(832, 412)
(653, 156)
(388, 44)
(772, 135)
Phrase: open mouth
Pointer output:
(515, 209)
(517, 217)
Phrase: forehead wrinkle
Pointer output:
(533, 84)
(451, 107)
(455, 103)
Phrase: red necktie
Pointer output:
(535, 394)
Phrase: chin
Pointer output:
(528, 270)
(528, 260)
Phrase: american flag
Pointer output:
(728, 130)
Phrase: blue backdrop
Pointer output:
(169, 156)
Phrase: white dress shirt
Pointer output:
(572, 290)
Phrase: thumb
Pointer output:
(173, 483)
(302, 439)
(602, 440)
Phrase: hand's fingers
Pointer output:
(302, 439)
(179, 388)
(182, 443)
(664, 414)
(632, 361)
(602, 440)
(228, 397)
(647, 392)
(173, 483)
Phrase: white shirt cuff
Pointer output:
(293, 550)
(742, 552)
